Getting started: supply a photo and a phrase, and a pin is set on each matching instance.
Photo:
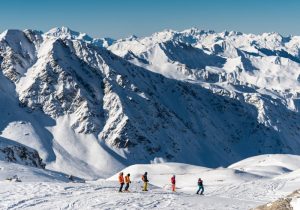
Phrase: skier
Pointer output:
(121, 181)
(127, 181)
(71, 178)
(145, 180)
(200, 185)
(173, 182)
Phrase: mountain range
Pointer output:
(90, 107)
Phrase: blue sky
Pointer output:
(122, 18)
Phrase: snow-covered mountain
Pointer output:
(268, 60)
(92, 106)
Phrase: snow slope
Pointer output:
(269, 164)
(28, 174)
(90, 111)
(225, 188)
(238, 174)
(104, 195)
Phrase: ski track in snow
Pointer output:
(269, 189)
(104, 195)
(81, 196)
(225, 188)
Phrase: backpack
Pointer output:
(144, 178)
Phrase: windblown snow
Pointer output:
(90, 107)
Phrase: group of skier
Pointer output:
(122, 182)
(145, 180)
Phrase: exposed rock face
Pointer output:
(16, 153)
(287, 203)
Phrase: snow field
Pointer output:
(225, 188)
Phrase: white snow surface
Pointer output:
(225, 188)
(29, 174)
(295, 203)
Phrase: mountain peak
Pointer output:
(58, 31)
(193, 31)
(11, 32)
(67, 33)
(132, 37)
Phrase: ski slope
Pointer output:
(104, 195)
(240, 186)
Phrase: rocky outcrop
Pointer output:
(14, 152)
(290, 202)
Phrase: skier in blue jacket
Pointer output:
(200, 185)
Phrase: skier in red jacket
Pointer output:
(173, 182)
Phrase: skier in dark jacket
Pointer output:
(145, 180)
(200, 185)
